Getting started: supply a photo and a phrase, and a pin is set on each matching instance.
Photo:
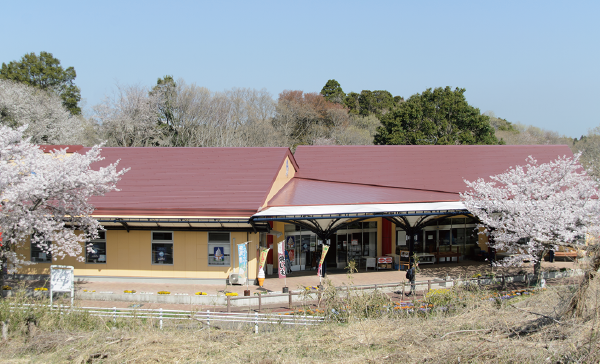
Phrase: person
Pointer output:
(411, 275)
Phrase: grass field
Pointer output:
(463, 324)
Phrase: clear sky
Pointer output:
(534, 62)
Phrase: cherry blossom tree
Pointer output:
(49, 122)
(44, 197)
(531, 209)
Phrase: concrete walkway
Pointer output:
(296, 281)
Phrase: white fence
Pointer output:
(205, 317)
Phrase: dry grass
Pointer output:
(529, 329)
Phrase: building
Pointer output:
(181, 212)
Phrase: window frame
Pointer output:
(213, 244)
(96, 241)
(39, 250)
(162, 242)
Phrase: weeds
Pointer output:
(463, 323)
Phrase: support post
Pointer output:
(160, 318)
(259, 301)
(290, 297)
(428, 285)
(228, 304)
(114, 315)
(208, 319)
(402, 296)
(256, 322)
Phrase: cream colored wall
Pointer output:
(278, 226)
(128, 254)
(482, 240)
(281, 179)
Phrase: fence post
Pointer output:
(256, 322)
(160, 317)
(290, 304)
(228, 304)
(259, 301)
(114, 315)
(402, 295)
(208, 319)
(428, 285)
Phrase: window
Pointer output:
(162, 247)
(219, 247)
(39, 251)
(96, 252)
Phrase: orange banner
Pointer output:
(263, 258)
(325, 249)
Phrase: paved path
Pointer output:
(297, 280)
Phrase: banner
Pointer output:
(263, 258)
(281, 259)
(243, 259)
(325, 249)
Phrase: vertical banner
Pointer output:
(243, 259)
(325, 249)
(281, 259)
(263, 258)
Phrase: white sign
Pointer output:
(61, 280)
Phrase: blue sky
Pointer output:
(534, 62)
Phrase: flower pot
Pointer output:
(246, 292)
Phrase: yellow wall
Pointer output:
(482, 240)
(379, 236)
(128, 254)
(281, 179)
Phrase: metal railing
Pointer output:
(205, 317)
(423, 287)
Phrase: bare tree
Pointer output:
(129, 118)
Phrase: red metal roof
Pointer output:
(69, 148)
(306, 192)
(424, 167)
(190, 181)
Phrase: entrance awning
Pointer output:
(325, 220)
(397, 209)
(183, 224)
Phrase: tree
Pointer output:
(439, 116)
(44, 197)
(46, 73)
(376, 103)
(351, 102)
(175, 114)
(529, 210)
(332, 91)
(129, 118)
(47, 120)
(304, 117)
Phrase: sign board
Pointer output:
(61, 280)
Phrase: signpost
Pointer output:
(62, 280)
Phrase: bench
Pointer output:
(571, 255)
